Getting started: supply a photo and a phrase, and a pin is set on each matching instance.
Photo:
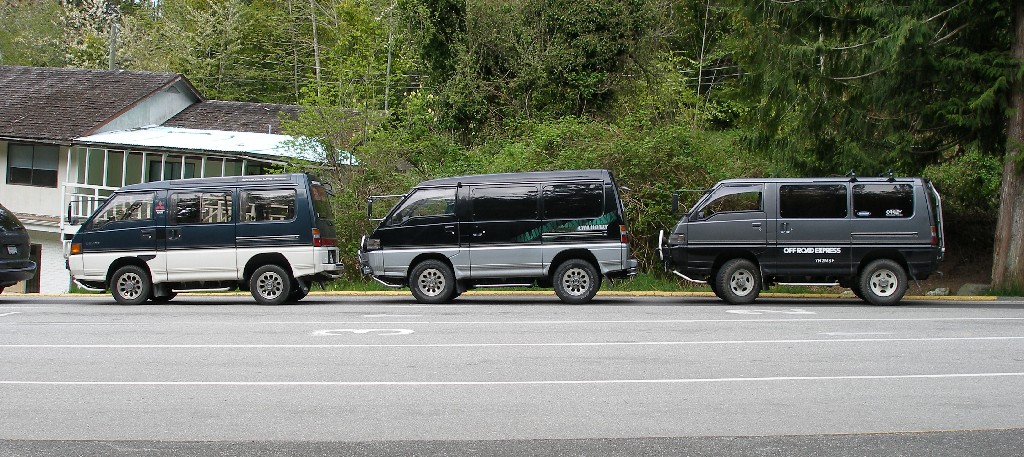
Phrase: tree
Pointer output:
(839, 85)
(1008, 253)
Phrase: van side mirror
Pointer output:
(675, 203)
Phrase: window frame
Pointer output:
(243, 206)
(845, 199)
(474, 200)
(34, 168)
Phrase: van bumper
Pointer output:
(631, 270)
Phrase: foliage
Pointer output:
(30, 35)
(839, 85)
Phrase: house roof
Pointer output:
(60, 104)
(182, 140)
(236, 116)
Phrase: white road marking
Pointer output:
(551, 322)
(484, 345)
(10, 313)
(769, 311)
(364, 331)
(392, 315)
(519, 383)
(855, 333)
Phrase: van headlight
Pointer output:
(371, 244)
(677, 238)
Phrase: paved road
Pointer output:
(512, 375)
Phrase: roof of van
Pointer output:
(532, 176)
(224, 180)
(833, 179)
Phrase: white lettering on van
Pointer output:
(587, 228)
(812, 250)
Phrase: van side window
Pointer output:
(883, 200)
(201, 208)
(817, 201)
(504, 203)
(573, 201)
(126, 207)
(268, 205)
(733, 199)
(425, 203)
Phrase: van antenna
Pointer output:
(889, 174)
(852, 175)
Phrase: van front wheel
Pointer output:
(432, 281)
(270, 285)
(130, 285)
(738, 281)
(576, 281)
(883, 282)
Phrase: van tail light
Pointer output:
(623, 234)
(935, 237)
(318, 241)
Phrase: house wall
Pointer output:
(154, 110)
(44, 201)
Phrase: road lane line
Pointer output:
(551, 322)
(519, 383)
(9, 314)
(472, 345)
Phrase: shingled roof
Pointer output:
(60, 104)
(233, 116)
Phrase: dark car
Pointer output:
(14, 250)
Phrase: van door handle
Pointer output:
(785, 228)
(147, 234)
(450, 229)
(173, 234)
(756, 225)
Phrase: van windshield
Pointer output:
(322, 202)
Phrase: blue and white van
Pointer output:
(273, 235)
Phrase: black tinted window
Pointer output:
(573, 201)
(504, 203)
(425, 203)
(883, 200)
(732, 199)
(812, 201)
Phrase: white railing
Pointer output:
(79, 201)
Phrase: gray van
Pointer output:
(868, 234)
(565, 229)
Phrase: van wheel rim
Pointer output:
(883, 283)
(576, 281)
(129, 286)
(741, 283)
(270, 285)
(431, 282)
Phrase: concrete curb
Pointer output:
(651, 293)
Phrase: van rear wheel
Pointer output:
(576, 281)
(738, 282)
(130, 285)
(270, 285)
(883, 282)
(432, 281)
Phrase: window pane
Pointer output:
(45, 178)
(504, 203)
(733, 198)
(19, 175)
(812, 201)
(19, 155)
(126, 207)
(45, 157)
(185, 209)
(216, 208)
(573, 201)
(883, 200)
(269, 205)
(425, 203)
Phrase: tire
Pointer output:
(164, 299)
(883, 282)
(270, 285)
(130, 285)
(432, 281)
(855, 287)
(738, 281)
(576, 281)
(714, 288)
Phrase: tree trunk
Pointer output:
(1008, 255)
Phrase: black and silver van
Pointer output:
(565, 229)
(868, 234)
(270, 234)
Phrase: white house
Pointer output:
(69, 137)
